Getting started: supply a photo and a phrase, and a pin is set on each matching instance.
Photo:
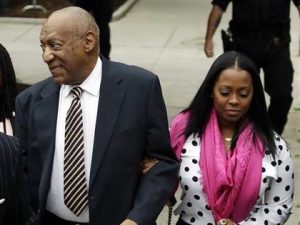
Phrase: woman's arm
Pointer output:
(276, 205)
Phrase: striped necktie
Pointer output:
(75, 184)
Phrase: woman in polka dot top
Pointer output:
(234, 168)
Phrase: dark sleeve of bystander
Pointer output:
(13, 190)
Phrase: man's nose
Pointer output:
(47, 55)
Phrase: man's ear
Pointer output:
(89, 41)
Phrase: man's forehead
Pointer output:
(58, 20)
(56, 29)
(49, 30)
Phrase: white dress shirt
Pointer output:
(89, 103)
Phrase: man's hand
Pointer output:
(213, 22)
(209, 48)
(128, 222)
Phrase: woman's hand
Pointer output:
(147, 164)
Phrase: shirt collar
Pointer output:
(91, 84)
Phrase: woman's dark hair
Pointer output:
(8, 90)
(201, 106)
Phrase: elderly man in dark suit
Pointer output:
(13, 204)
(87, 129)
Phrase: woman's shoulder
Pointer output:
(281, 162)
(178, 125)
(177, 132)
(281, 144)
(282, 148)
(180, 119)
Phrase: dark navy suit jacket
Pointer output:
(131, 124)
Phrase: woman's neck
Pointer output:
(227, 135)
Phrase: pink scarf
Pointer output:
(231, 181)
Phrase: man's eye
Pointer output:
(56, 46)
(43, 47)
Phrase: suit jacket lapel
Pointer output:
(110, 100)
(45, 116)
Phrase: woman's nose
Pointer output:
(233, 99)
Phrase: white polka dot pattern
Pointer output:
(276, 192)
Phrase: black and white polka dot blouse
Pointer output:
(276, 192)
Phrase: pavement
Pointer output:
(166, 37)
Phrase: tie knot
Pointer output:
(76, 91)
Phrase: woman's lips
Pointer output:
(232, 112)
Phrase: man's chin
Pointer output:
(57, 79)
